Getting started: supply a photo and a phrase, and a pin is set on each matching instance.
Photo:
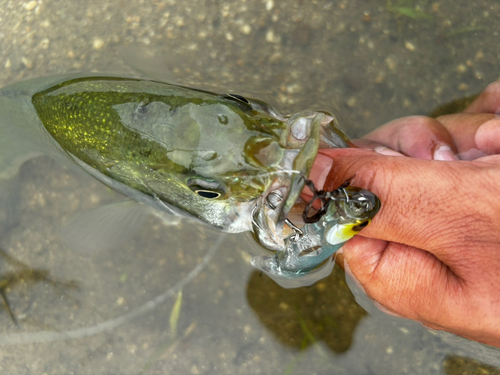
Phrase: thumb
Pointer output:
(405, 280)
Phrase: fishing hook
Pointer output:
(325, 198)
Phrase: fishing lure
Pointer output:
(308, 251)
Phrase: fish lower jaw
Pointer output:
(268, 219)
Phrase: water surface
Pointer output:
(111, 311)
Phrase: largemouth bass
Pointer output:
(216, 158)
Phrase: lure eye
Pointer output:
(360, 226)
(206, 189)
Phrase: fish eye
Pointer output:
(206, 188)
(207, 194)
(360, 226)
(238, 98)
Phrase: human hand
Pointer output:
(432, 253)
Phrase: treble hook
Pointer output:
(297, 232)
(325, 197)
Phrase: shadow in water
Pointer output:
(24, 274)
(455, 106)
(456, 365)
(300, 317)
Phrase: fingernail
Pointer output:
(444, 153)
(386, 151)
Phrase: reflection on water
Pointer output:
(454, 365)
(368, 62)
(454, 106)
(301, 317)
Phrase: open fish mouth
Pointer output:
(307, 130)
(267, 218)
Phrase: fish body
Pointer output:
(212, 157)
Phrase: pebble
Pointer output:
(478, 74)
(321, 287)
(391, 63)
(410, 46)
(246, 29)
(269, 4)
(380, 77)
(31, 5)
(293, 89)
(98, 44)
(28, 63)
(461, 68)
(44, 44)
(283, 306)
(463, 87)
(276, 58)
(271, 37)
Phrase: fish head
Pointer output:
(245, 169)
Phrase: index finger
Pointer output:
(425, 204)
(472, 133)
(488, 101)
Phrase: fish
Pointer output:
(213, 158)
(307, 256)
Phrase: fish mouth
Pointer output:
(267, 222)
(271, 209)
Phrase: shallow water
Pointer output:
(366, 62)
